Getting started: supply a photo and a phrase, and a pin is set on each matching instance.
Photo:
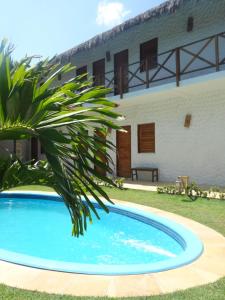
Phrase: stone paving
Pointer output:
(144, 185)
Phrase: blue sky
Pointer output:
(48, 27)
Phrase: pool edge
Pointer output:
(207, 269)
(193, 247)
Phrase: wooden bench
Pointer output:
(154, 171)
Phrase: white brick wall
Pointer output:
(198, 151)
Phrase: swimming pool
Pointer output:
(35, 231)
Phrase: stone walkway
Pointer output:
(144, 185)
(209, 267)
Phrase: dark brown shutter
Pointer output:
(190, 24)
(148, 54)
(99, 72)
(146, 138)
(81, 71)
(121, 72)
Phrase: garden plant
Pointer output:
(60, 116)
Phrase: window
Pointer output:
(81, 71)
(99, 72)
(146, 138)
(148, 54)
(190, 24)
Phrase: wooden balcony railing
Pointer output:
(184, 62)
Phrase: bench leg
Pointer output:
(155, 176)
(134, 174)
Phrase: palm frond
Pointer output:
(63, 117)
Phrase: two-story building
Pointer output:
(166, 69)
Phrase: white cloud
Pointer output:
(111, 13)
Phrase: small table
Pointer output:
(155, 172)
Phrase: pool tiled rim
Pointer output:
(206, 269)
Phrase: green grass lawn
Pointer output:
(208, 212)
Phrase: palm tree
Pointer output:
(61, 117)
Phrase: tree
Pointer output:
(61, 117)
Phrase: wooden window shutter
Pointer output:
(148, 54)
(99, 72)
(81, 71)
(190, 24)
(146, 138)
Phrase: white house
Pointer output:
(166, 68)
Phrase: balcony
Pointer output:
(191, 60)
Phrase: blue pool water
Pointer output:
(37, 232)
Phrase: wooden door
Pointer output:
(99, 72)
(101, 155)
(121, 72)
(123, 144)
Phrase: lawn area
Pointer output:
(208, 212)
